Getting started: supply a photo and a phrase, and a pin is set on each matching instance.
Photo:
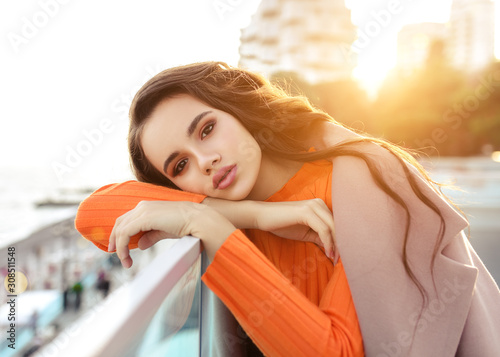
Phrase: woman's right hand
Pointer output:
(169, 219)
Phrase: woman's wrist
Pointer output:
(213, 229)
(242, 214)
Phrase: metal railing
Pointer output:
(156, 314)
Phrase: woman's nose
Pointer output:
(207, 163)
(208, 170)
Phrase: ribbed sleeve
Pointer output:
(274, 313)
(97, 214)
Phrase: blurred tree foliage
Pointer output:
(344, 100)
(439, 109)
(436, 109)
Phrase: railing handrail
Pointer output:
(112, 326)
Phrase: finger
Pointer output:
(125, 229)
(122, 249)
(122, 220)
(112, 239)
(151, 238)
(324, 214)
(312, 236)
(112, 236)
(127, 262)
(336, 257)
(323, 230)
(129, 226)
(120, 237)
(146, 242)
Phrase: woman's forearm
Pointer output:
(242, 214)
(308, 220)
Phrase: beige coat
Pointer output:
(462, 312)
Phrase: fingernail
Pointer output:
(127, 262)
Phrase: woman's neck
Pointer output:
(273, 175)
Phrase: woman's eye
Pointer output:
(179, 167)
(207, 130)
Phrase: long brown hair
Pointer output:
(279, 122)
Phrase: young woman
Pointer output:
(233, 152)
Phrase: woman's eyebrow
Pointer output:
(195, 122)
(190, 131)
(169, 159)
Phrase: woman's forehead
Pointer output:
(168, 125)
(174, 114)
(181, 106)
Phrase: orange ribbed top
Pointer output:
(314, 315)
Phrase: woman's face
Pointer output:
(201, 149)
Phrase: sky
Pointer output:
(70, 68)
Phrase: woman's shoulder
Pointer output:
(383, 172)
(391, 160)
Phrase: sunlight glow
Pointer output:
(379, 58)
(373, 74)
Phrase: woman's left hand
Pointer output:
(307, 220)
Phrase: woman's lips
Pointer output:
(224, 177)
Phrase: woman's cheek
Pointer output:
(197, 185)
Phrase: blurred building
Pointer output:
(472, 33)
(414, 42)
(469, 38)
(312, 38)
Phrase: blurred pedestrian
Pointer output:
(65, 297)
(103, 283)
(34, 322)
(77, 289)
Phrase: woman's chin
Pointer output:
(233, 194)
